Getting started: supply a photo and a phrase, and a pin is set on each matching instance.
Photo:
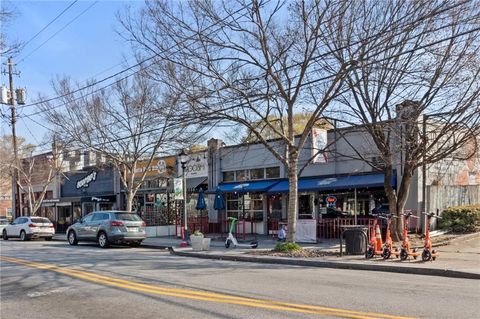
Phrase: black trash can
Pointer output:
(355, 239)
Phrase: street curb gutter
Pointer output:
(336, 265)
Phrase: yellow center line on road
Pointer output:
(198, 295)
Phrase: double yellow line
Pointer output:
(198, 295)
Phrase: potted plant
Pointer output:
(197, 240)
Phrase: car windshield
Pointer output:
(40, 220)
(127, 216)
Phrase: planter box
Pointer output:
(197, 242)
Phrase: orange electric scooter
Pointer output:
(388, 249)
(406, 250)
(428, 254)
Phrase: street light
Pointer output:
(184, 158)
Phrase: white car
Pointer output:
(27, 228)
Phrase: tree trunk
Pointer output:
(397, 223)
(402, 196)
(129, 198)
(292, 200)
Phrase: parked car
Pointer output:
(3, 223)
(27, 228)
(108, 227)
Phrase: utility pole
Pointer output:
(17, 198)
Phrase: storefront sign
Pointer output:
(331, 201)
(319, 144)
(327, 181)
(98, 183)
(178, 188)
(85, 182)
(241, 187)
(197, 166)
(162, 167)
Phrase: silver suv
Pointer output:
(108, 227)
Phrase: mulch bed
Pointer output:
(415, 241)
(302, 253)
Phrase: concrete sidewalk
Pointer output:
(459, 258)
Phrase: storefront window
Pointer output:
(232, 204)
(64, 218)
(229, 176)
(272, 172)
(253, 206)
(276, 207)
(257, 173)
(242, 175)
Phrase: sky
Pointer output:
(88, 47)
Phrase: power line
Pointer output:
(261, 98)
(308, 83)
(60, 30)
(430, 14)
(55, 19)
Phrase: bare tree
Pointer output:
(7, 46)
(416, 93)
(134, 121)
(36, 174)
(7, 160)
(250, 61)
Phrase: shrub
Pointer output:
(461, 219)
(287, 247)
(197, 233)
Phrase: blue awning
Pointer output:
(247, 186)
(333, 183)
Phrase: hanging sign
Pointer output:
(319, 144)
(178, 188)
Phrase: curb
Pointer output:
(335, 265)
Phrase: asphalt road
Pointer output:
(54, 280)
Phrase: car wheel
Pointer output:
(48, 238)
(4, 235)
(72, 238)
(23, 235)
(102, 240)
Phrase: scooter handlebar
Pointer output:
(409, 215)
(384, 216)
